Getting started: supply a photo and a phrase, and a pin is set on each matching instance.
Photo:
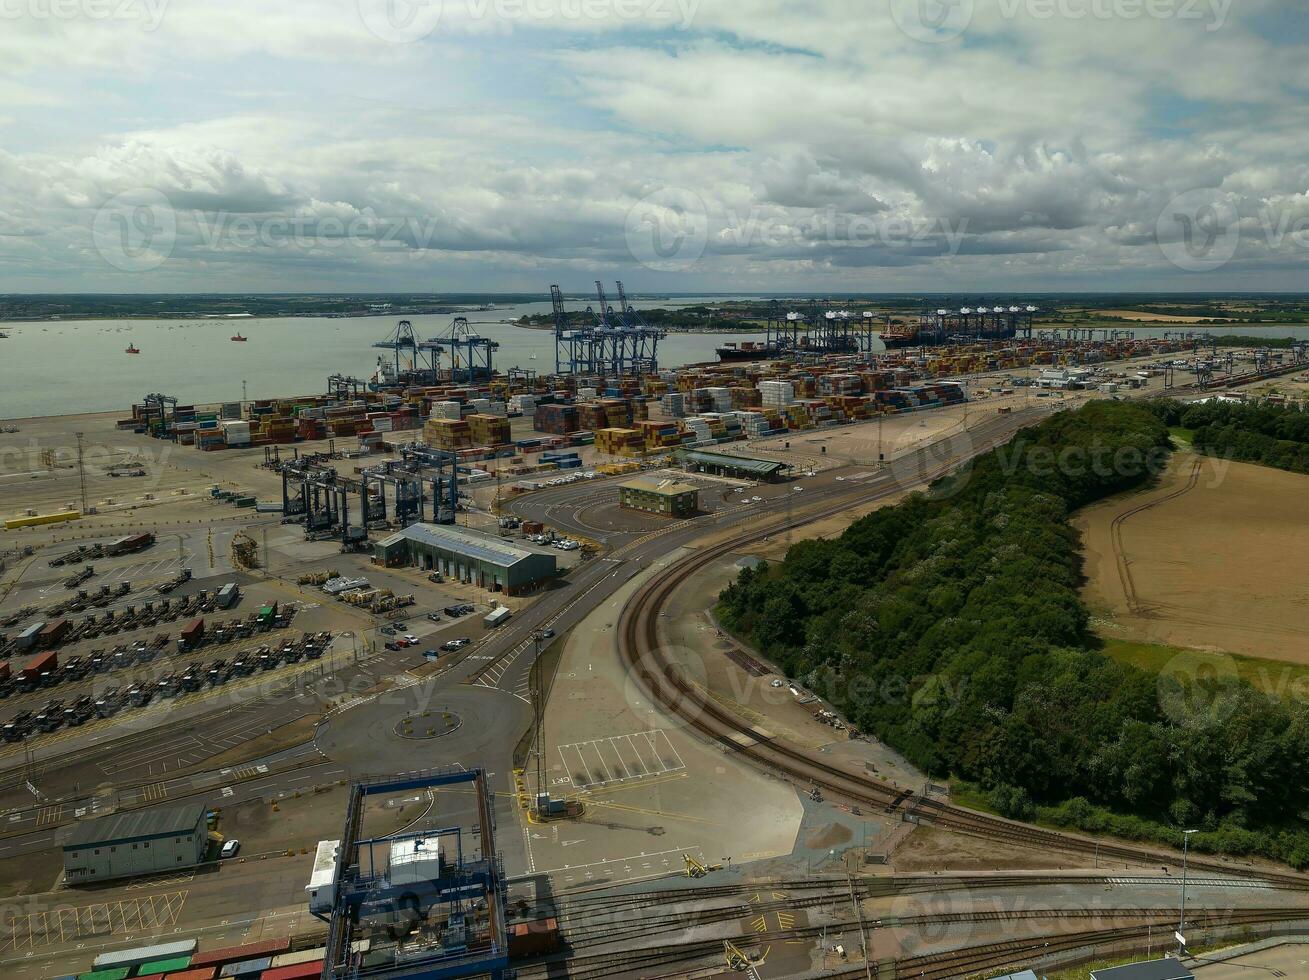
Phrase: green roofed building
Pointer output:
(484, 560)
(136, 842)
(737, 467)
(665, 497)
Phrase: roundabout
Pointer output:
(428, 724)
(467, 725)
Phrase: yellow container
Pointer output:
(56, 518)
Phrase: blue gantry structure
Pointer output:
(418, 905)
(614, 343)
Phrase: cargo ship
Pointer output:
(900, 335)
(748, 350)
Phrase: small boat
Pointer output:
(238, 338)
(132, 349)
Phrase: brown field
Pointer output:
(1214, 558)
(1146, 316)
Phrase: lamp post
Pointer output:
(1181, 921)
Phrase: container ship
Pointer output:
(748, 350)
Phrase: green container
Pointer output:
(117, 973)
(160, 967)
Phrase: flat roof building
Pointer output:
(721, 464)
(482, 559)
(665, 497)
(137, 842)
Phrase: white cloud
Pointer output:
(828, 149)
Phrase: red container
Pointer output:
(206, 973)
(193, 631)
(300, 971)
(235, 954)
(53, 633)
(40, 664)
(4, 671)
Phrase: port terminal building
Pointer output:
(466, 555)
(136, 842)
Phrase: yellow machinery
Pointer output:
(245, 551)
(736, 959)
(698, 869)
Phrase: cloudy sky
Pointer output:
(725, 145)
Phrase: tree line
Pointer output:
(1271, 435)
(951, 625)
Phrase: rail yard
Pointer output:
(433, 657)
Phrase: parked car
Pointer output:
(411, 639)
(393, 646)
(451, 646)
(230, 848)
(434, 617)
(389, 631)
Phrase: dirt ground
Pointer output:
(930, 849)
(1214, 558)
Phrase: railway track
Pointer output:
(1151, 925)
(648, 660)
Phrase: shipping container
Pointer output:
(144, 954)
(236, 954)
(317, 954)
(299, 971)
(159, 967)
(533, 938)
(27, 638)
(191, 635)
(203, 973)
(228, 594)
(53, 633)
(41, 664)
(4, 671)
(115, 973)
(246, 968)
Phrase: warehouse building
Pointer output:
(736, 467)
(481, 559)
(138, 842)
(664, 497)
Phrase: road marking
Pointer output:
(618, 759)
(39, 929)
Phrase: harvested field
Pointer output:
(1214, 558)
(1146, 316)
